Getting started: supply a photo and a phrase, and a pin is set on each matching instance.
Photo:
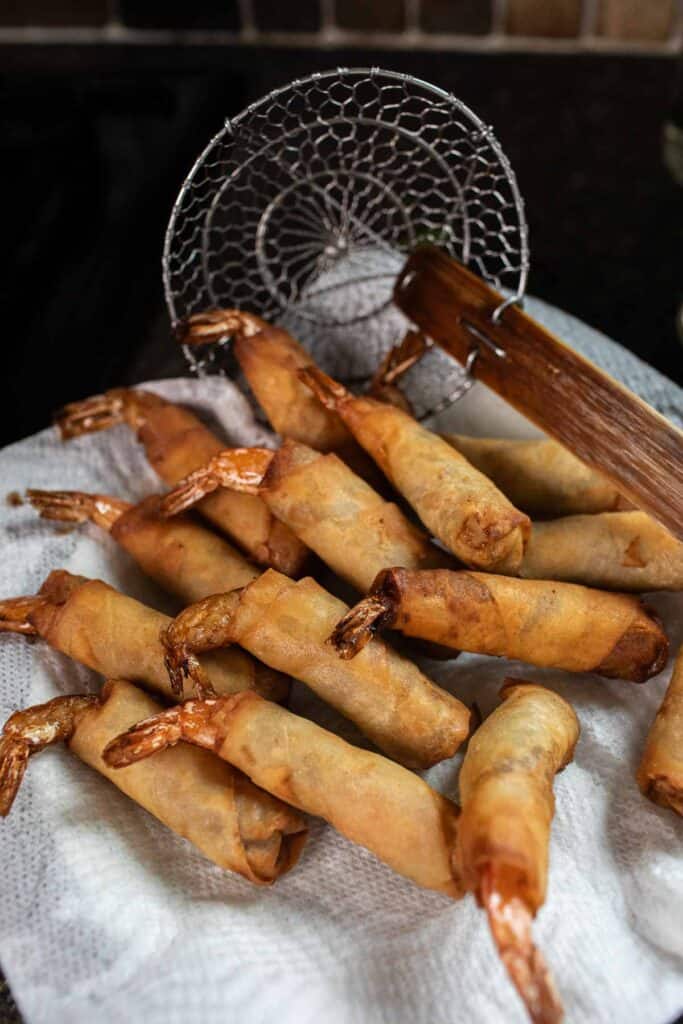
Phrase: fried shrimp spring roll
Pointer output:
(660, 775)
(506, 791)
(176, 443)
(270, 360)
(554, 625)
(236, 825)
(180, 554)
(336, 513)
(541, 477)
(285, 624)
(366, 797)
(615, 550)
(119, 637)
(453, 499)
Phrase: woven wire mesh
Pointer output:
(304, 207)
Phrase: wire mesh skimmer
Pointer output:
(304, 206)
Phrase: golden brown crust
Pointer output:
(270, 360)
(180, 554)
(119, 637)
(614, 550)
(506, 791)
(341, 518)
(458, 504)
(176, 443)
(542, 477)
(369, 799)
(235, 824)
(286, 625)
(660, 773)
(555, 625)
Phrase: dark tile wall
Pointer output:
(181, 14)
(559, 19)
(465, 17)
(279, 16)
(623, 20)
(371, 15)
(635, 19)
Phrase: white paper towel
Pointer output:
(105, 916)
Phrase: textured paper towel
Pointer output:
(105, 916)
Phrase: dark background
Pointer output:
(96, 141)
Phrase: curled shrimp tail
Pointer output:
(238, 469)
(214, 325)
(329, 392)
(144, 739)
(182, 664)
(16, 612)
(14, 755)
(90, 415)
(191, 721)
(510, 922)
(29, 731)
(77, 507)
(358, 626)
(204, 626)
(120, 405)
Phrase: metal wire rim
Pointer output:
(477, 130)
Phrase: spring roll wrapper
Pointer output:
(368, 798)
(180, 554)
(286, 624)
(554, 625)
(177, 443)
(453, 499)
(541, 477)
(506, 790)
(119, 637)
(660, 774)
(234, 823)
(616, 550)
(340, 517)
(270, 361)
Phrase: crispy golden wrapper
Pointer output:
(506, 791)
(332, 510)
(614, 550)
(182, 556)
(234, 823)
(660, 774)
(285, 624)
(176, 443)
(541, 477)
(554, 625)
(366, 797)
(119, 637)
(456, 502)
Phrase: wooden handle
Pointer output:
(589, 412)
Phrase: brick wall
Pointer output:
(649, 25)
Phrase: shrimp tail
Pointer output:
(329, 392)
(190, 721)
(359, 625)
(29, 731)
(16, 612)
(510, 922)
(215, 325)
(121, 405)
(78, 507)
(238, 469)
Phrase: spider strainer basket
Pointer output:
(304, 207)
